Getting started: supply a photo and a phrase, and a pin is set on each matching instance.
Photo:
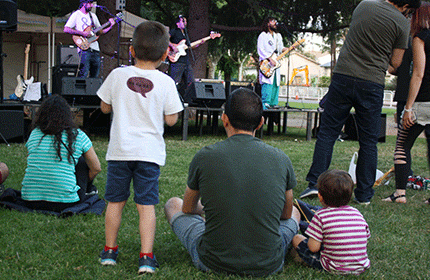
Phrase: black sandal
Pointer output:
(393, 198)
(427, 201)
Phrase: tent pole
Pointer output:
(49, 62)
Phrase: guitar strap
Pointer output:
(92, 21)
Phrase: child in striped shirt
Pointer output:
(338, 232)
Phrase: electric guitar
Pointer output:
(23, 83)
(84, 43)
(181, 47)
(267, 68)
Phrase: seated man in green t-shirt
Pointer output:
(246, 191)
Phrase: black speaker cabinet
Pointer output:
(59, 72)
(8, 15)
(236, 84)
(351, 129)
(205, 94)
(67, 55)
(12, 125)
(81, 90)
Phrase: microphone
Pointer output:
(98, 6)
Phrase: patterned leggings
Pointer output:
(402, 155)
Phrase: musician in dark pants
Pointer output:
(270, 42)
(78, 24)
(182, 67)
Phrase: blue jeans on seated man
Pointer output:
(90, 64)
(366, 97)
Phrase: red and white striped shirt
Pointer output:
(343, 233)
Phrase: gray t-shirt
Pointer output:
(242, 183)
(377, 28)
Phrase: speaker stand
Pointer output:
(4, 139)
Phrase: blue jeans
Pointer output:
(145, 181)
(178, 70)
(90, 64)
(366, 97)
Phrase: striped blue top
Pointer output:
(46, 177)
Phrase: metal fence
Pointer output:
(314, 94)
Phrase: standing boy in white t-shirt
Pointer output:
(141, 99)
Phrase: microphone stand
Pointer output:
(118, 21)
(282, 25)
(189, 44)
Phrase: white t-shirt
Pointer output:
(79, 21)
(139, 99)
(267, 44)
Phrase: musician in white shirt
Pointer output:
(269, 42)
(77, 25)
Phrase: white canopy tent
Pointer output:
(43, 34)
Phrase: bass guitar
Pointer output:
(23, 82)
(180, 49)
(84, 43)
(267, 68)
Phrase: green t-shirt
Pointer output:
(242, 183)
(377, 28)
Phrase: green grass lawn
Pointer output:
(37, 246)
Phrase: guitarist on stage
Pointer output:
(269, 42)
(78, 24)
(182, 67)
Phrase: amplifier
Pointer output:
(59, 72)
(81, 90)
(67, 55)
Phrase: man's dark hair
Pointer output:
(335, 187)
(82, 2)
(265, 23)
(244, 109)
(150, 41)
(413, 4)
(178, 18)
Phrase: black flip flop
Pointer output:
(393, 198)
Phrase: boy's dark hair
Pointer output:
(414, 4)
(335, 187)
(264, 25)
(244, 109)
(150, 41)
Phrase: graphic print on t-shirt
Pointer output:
(140, 85)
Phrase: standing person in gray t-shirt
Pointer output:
(377, 37)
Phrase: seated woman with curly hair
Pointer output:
(61, 160)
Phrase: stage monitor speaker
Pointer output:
(8, 15)
(81, 90)
(59, 72)
(12, 125)
(233, 85)
(351, 129)
(205, 94)
(67, 55)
